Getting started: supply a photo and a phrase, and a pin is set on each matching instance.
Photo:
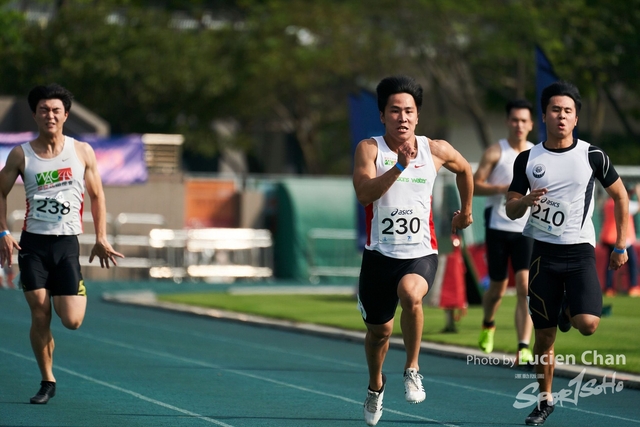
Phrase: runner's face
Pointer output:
(561, 116)
(519, 123)
(400, 117)
(50, 116)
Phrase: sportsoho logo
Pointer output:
(578, 388)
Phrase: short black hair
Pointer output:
(398, 84)
(51, 91)
(518, 104)
(560, 88)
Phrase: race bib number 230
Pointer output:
(401, 225)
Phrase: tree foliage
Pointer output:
(276, 66)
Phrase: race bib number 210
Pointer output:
(401, 225)
(550, 216)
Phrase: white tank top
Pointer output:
(400, 223)
(502, 174)
(55, 191)
(563, 215)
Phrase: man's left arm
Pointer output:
(445, 155)
(604, 172)
(102, 248)
(621, 214)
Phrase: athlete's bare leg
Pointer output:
(411, 291)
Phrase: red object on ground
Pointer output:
(454, 292)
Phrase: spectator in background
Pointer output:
(608, 239)
(503, 237)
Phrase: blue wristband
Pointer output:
(616, 250)
(4, 233)
(399, 166)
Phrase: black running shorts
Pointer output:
(50, 262)
(379, 278)
(556, 268)
(502, 245)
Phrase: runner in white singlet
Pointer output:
(393, 178)
(554, 183)
(55, 170)
(504, 241)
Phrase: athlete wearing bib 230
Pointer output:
(393, 177)
(400, 223)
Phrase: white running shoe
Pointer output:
(413, 389)
(373, 404)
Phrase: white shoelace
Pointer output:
(372, 402)
(413, 381)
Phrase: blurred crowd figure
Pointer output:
(608, 239)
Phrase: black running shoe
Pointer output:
(46, 392)
(539, 415)
(564, 323)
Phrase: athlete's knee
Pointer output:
(588, 326)
(72, 323)
(40, 317)
(545, 339)
(411, 301)
(492, 296)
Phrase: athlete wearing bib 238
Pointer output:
(56, 171)
(54, 189)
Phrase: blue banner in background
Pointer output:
(364, 122)
(544, 77)
(120, 159)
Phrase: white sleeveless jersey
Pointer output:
(563, 215)
(55, 191)
(400, 223)
(502, 174)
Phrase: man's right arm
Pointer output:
(518, 201)
(8, 176)
(368, 186)
(489, 159)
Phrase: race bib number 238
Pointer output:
(400, 225)
(51, 209)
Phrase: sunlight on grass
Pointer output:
(616, 335)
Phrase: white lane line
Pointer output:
(238, 342)
(124, 390)
(242, 373)
(205, 364)
(256, 377)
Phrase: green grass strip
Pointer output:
(615, 339)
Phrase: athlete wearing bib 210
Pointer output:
(560, 173)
